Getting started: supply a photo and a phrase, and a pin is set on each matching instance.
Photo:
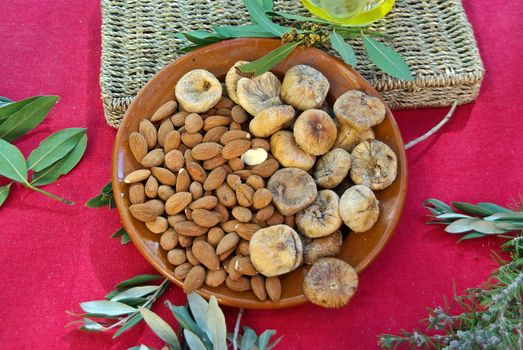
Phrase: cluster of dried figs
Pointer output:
(246, 181)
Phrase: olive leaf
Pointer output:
(181, 313)
(10, 108)
(13, 162)
(199, 307)
(215, 321)
(257, 13)
(344, 49)
(129, 324)
(387, 59)
(139, 279)
(201, 37)
(62, 166)
(193, 341)
(248, 339)
(26, 118)
(107, 307)
(460, 226)
(97, 201)
(472, 209)
(4, 192)
(268, 61)
(90, 325)
(161, 328)
(54, 148)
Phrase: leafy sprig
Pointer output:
(491, 315)
(106, 198)
(55, 156)
(311, 31)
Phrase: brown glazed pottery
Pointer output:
(359, 249)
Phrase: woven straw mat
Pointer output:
(434, 36)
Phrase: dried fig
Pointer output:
(349, 137)
(287, 152)
(259, 93)
(322, 217)
(271, 120)
(276, 250)
(330, 283)
(359, 110)
(198, 91)
(304, 87)
(332, 168)
(231, 81)
(327, 246)
(292, 190)
(359, 208)
(374, 165)
(315, 132)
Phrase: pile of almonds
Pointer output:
(210, 181)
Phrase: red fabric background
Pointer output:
(53, 257)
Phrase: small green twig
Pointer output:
(48, 194)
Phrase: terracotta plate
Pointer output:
(359, 249)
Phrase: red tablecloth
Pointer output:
(54, 256)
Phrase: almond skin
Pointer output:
(190, 229)
(224, 102)
(153, 158)
(265, 213)
(215, 278)
(191, 140)
(137, 176)
(228, 242)
(245, 195)
(176, 256)
(235, 149)
(261, 198)
(230, 226)
(151, 187)
(185, 241)
(260, 143)
(222, 210)
(172, 141)
(267, 168)
(244, 265)
(236, 164)
(238, 114)
(206, 218)
(243, 174)
(233, 273)
(147, 129)
(165, 110)
(290, 221)
(194, 279)
(181, 271)
(165, 128)
(214, 134)
(206, 150)
(144, 212)
(242, 284)
(216, 120)
(214, 162)
(137, 193)
(273, 287)
(196, 190)
(138, 146)
(197, 172)
(164, 176)
(214, 236)
(169, 239)
(232, 135)
(226, 195)
(183, 181)
(179, 118)
(215, 179)
(247, 230)
(190, 256)
(205, 253)
(233, 181)
(193, 123)
(241, 214)
(178, 202)
(174, 160)
(258, 287)
(207, 202)
(275, 219)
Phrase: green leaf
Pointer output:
(135, 292)
(186, 321)
(387, 59)
(345, 50)
(190, 48)
(274, 343)
(160, 327)
(125, 239)
(439, 205)
(471, 209)
(461, 225)
(249, 339)
(7, 110)
(4, 101)
(264, 338)
(268, 61)
(97, 202)
(193, 341)
(514, 215)
(453, 216)
(297, 17)
(128, 325)
(244, 31)
(12, 162)
(61, 167)
(267, 5)
(215, 321)
(139, 279)
(54, 148)
(4, 192)
(471, 236)
(134, 301)
(92, 326)
(27, 118)
(108, 189)
(257, 13)
(112, 202)
(201, 40)
(494, 207)
(199, 307)
(118, 233)
(107, 307)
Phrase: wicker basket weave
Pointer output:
(434, 36)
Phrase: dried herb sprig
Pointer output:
(106, 198)
(491, 315)
(55, 156)
(311, 32)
